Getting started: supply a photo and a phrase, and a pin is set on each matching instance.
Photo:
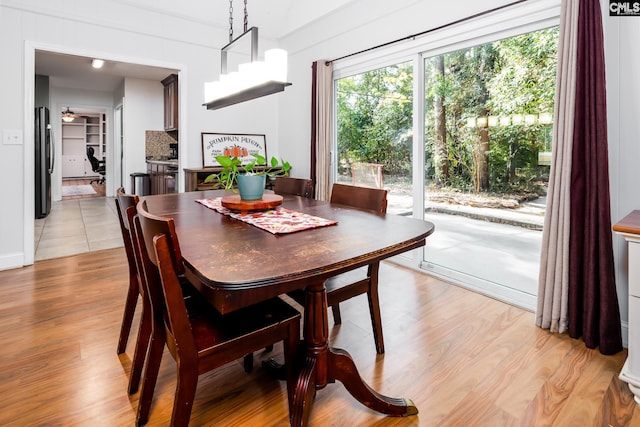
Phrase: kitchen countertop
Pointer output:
(171, 162)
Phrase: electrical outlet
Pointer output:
(12, 137)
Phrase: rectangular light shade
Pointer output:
(248, 94)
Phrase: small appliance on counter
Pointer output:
(173, 151)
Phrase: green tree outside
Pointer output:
(488, 114)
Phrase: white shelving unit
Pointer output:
(82, 132)
(629, 228)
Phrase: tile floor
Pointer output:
(76, 225)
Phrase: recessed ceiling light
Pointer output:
(97, 63)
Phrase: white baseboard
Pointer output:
(12, 261)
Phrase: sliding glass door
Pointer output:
(374, 132)
(488, 121)
(482, 160)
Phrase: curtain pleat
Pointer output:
(553, 285)
(593, 303)
(322, 106)
(577, 291)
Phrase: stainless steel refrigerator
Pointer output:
(44, 160)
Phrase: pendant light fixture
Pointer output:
(68, 116)
(253, 79)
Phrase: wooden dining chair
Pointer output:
(126, 207)
(296, 186)
(145, 327)
(196, 335)
(365, 279)
(122, 202)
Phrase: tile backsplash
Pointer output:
(157, 144)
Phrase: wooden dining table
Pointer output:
(235, 264)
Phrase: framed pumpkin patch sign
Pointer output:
(240, 145)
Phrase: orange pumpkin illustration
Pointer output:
(235, 151)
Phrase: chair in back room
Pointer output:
(98, 166)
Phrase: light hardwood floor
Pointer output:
(465, 360)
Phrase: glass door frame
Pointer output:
(520, 19)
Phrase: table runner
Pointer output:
(275, 221)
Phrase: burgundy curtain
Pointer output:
(593, 303)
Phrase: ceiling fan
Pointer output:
(69, 116)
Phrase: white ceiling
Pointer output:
(72, 71)
(275, 18)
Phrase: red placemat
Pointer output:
(275, 221)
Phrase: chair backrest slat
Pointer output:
(152, 225)
(297, 186)
(177, 320)
(372, 199)
(123, 201)
(157, 241)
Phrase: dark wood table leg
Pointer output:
(304, 394)
(323, 365)
(343, 369)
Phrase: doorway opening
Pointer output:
(80, 222)
(84, 154)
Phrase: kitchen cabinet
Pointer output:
(170, 84)
(162, 176)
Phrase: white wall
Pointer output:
(144, 110)
(623, 109)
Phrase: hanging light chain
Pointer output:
(231, 20)
(246, 16)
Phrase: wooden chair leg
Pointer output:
(127, 316)
(185, 394)
(292, 348)
(154, 357)
(248, 359)
(376, 321)
(374, 308)
(144, 335)
(337, 318)
(248, 363)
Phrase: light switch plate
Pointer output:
(12, 137)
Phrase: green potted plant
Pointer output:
(251, 180)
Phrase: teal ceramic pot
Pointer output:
(251, 187)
